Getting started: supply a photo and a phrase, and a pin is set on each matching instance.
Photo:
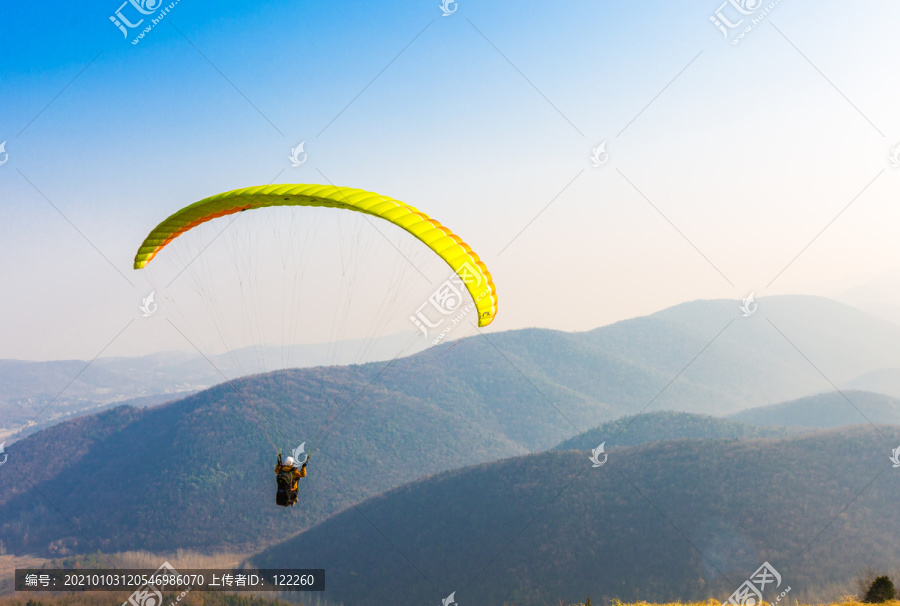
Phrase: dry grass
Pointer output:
(8, 565)
(846, 601)
(180, 559)
(188, 560)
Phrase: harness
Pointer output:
(286, 495)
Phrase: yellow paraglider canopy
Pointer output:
(447, 245)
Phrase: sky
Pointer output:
(731, 165)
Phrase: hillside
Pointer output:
(198, 473)
(26, 388)
(666, 425)
(61, 414)
(623, 366)
(76, 387)
(826, 410)
(755, 361)
(678, 520)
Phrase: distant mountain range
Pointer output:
(833, 409)
(883, 380)
(791, 347)
(196, 473)
(49, 392)
(876, 296)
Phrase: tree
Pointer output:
(881, 590)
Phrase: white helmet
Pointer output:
(289, 461)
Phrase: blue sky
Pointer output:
(727, 163)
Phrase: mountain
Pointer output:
(790, 347)
(45, 420)
(834, 409)
(883, 380)
(196, 473)
(666, 425)
(876, 296)
(698, 357)
(661, 522)
(48, 392)
(27, 388)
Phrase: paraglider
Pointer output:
(468, 267)
(287, 476)
(443, 242)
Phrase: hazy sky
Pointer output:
(725, 161)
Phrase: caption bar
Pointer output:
(161, 580)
